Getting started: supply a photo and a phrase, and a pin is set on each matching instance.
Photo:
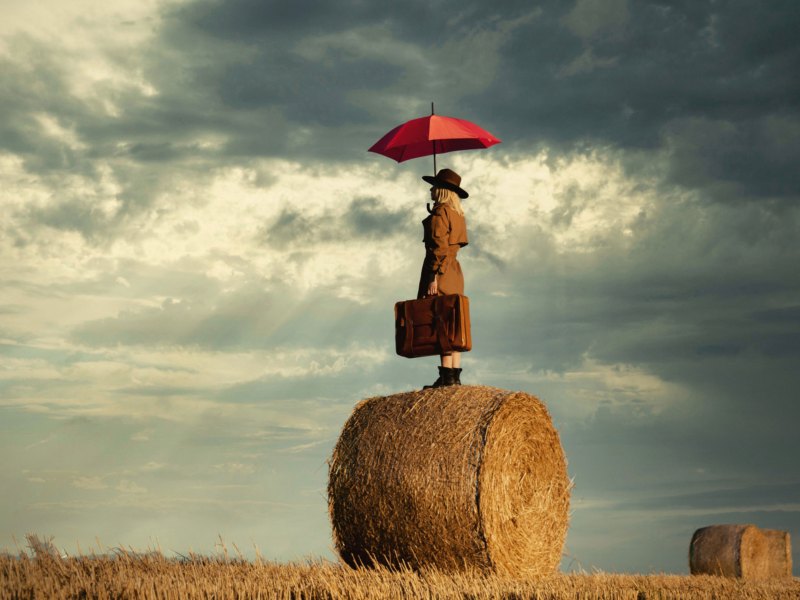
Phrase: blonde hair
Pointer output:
(445, 196)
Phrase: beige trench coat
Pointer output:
(444, 233)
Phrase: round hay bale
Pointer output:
(730, 551)
(458, 478)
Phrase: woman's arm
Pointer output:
(440, 232)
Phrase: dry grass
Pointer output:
(457, 478)
(44, 574)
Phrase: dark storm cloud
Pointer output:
(416, 20)
(752, 158)
(711, 84)
(715, 82)
(309, 93)
(661, 63)
(337, 72)
(725, 498)
(696, 281)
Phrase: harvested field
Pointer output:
(128, 575)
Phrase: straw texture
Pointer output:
(740, 551)
(779, 549)
(459, 478)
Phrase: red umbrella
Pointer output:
(434, 135)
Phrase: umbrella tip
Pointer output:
(431, 107)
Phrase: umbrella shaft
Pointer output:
(434, 148)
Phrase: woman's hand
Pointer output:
(433, 287)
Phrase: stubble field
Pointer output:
(125, 574)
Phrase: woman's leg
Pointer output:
(451, 361)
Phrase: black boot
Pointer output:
(446, 377)
(456, 376)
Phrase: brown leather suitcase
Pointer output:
(433, 325)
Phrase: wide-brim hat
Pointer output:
(448, 179)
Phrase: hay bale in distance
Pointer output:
(740, 551)
(458, 478)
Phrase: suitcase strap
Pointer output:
(409, 343)
(441, 333)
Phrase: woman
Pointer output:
(444, 233)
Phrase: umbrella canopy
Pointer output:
(434, 134)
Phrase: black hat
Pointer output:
(448, 179)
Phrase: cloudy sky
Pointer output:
(199, 259)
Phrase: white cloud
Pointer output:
(152, 466)
(51, 17)
(89, 483)
(41, 442)
(130, 487)
(235, 468)
(92, 41)
(627, 390)
(573, 205)
(303, 447)
(623, 388)
(579, 203)
(142, 436)
(50, 125)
